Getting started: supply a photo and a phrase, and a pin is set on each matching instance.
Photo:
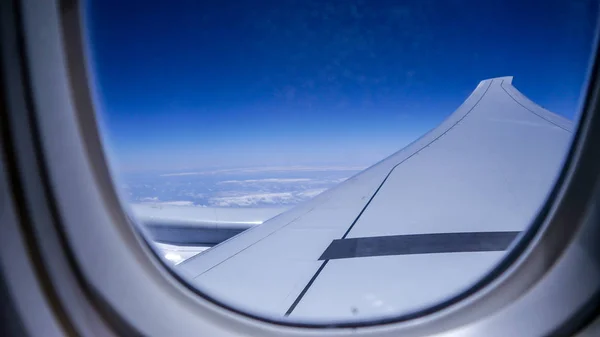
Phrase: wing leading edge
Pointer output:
(412, 230)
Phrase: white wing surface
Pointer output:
(410, 231)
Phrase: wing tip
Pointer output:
(505, 79)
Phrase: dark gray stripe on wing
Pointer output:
(418, 244)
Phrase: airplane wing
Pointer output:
(410, 231)
(198, 226)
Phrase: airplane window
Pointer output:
(336, 161)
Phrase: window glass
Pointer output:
(326, 161)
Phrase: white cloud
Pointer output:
(253, 199)
(270, 169)
(268, 180)
(170, 203)
(183, 174)
(265, 199)
(173, 257)
(312, 193)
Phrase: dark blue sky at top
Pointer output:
(190, 84)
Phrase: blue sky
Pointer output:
(191, 84)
